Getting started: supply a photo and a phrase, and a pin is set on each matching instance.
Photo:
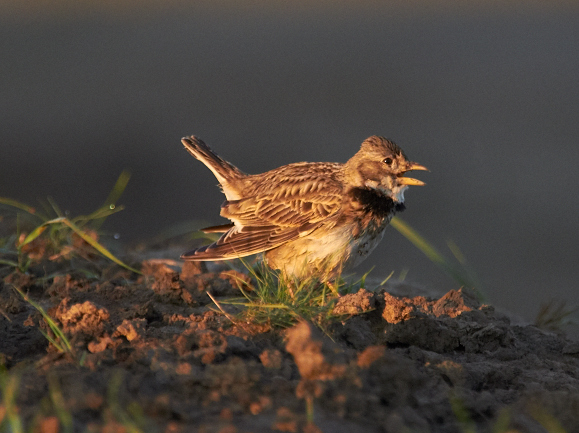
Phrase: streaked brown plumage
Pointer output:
(310, 219)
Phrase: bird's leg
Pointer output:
(290, 289)
(288, 282)
(334, 287)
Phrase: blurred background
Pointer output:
(485, 94)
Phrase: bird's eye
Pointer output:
(388, 161)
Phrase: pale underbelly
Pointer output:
(326, 255)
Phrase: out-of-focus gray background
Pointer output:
(486, 95)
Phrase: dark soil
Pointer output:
(153, 353)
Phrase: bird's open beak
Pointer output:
(409, 180)
(415, 166)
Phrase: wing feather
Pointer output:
(240, 243)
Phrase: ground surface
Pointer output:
(152, 353)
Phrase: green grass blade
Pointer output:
(555, 315)
(256, 304)
(101, 249)
(548, 421)
(456, 252)
(464, 276)
(419, 242)
(112, 199)
(18, 205)
(54, 342)
(88, 239)
(119, 188)
(8, 263)
(100, 214)
(129, 424)
(55, 207)
(35, 233)
(462, 414)
(59, 404)
(280, 303)
(9, 386)
(503, 420)
(50, 322)
(386, 279)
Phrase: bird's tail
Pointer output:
(225, 172)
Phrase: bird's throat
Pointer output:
(375, 202)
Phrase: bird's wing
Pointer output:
(290, 196)
(241, 242)
(283, 205)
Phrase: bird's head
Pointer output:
(381, 165)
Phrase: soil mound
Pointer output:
(154, 353)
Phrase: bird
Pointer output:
(309, 219)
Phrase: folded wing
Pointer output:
(280, 206)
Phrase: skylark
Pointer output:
(309, 218)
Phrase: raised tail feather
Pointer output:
(218, 229)
(225, 172)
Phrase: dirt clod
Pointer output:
(315, 356)
(355, 303)
(86, 318)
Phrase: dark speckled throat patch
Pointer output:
(375, 203)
